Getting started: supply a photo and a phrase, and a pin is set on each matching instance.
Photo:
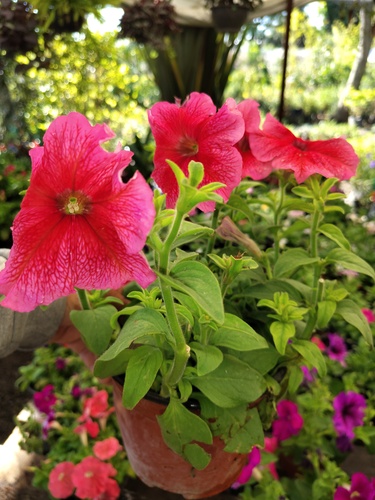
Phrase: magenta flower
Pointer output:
(276, 143)
(309, 375)
(246, 473)
(45, 399)
(361, 488)
(252, 167)
(60, 364)
(289, 422)
(370, 316)
(336, 349)
(195, 130)
(79, 224)
(349, 410)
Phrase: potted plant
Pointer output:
(229, 15)
(221, 318)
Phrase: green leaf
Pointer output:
(326, 309)
(197, 281)
(350, 260)
(180, 427)
(351, 312)
(303, 191)
(144, 322)
(281, 333)
(335, 234)
(113, 366)
(231, 384)
(141, 372)
(313, 355)
(239, 205)
(196, 456)
(248, 435)
(295, 378)
(94, 326)
(333, 208)
(262, 360)
(290, 260)
(191, 232)
(237, 335)
(209, 357)
(268, 289)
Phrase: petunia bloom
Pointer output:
(276, 143)
(289, 422)
(252, 167)
(370, 316)
(196, 130)
(107, 448)
(88, 427)
(79, 224)
(45, 399)
(90, 477)
(336, 349)
(361, 488)
(246, 473)
(349, 410)
(60, 482)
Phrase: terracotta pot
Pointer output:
(227, 19)
(157, 465)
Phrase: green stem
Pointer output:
(166, 251)
(277, 215)
(211, 241)
(83, 298)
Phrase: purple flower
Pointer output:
(349, 410)
(336, 349)
(289, 421)
(45, 399)
(344, 444)
(76, 392)
(60, 364)
(308, 375)
(246, 473)
(360, 489)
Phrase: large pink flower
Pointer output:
(252, 167)
(195, 130)
(60, 480)
(276, 143)
(79, 224)
(91, 476)
(107, 448)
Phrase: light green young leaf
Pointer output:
(191, 232)
(281, 333)
(326, 309)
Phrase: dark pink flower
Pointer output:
(88, 427)
(45, 399)
(349, 411)
(252, 167)
(97, 406)
(246, 473)
(370, 316)
(60, 364)
(195, 130)
(112, 491)
(79, 224)
(289, 422)
(90, 477)
(330, 158)
(361, 488)
(318, 342)
(309, 375)
(60, 482)
(336, 349)
(271, 445)
(107, 448)
(9, 169)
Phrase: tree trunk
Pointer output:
(359, 66)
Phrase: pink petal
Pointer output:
(60, 482)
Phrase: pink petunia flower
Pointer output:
(349, 411)
(195, 130)
(318, 342)
(88, 427)
(276, 143)
(107, 448)
(252, 167)
(361, 488)
(91, 476)
(97, 406)
(60, 482)
(246, 473)
(270, 446)
(112, 491)
(289, 422)
(370, 316)
(336, 348)
(79, 224)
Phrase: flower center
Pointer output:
(300, 144)
(187, 146)
(73, 203)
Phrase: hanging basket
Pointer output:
(228, 19)
(158, 466)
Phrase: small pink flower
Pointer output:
(271, 445)
(246, 473)
(370, 316)
(90, 477)
(318, 342)
(289, 422)
(97, 406)
(90, 427)
(60, 482)
(107, 448)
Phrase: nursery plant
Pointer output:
(221, 302)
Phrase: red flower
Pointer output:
(60, 482)
(330, 158)
(107, 448)
(88, 427)
(97, 406)
(252, 167)
(195, 130)
(79, 224)
(90, 477)
(111, 492)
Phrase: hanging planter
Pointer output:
(158, 466)
(228, 19)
